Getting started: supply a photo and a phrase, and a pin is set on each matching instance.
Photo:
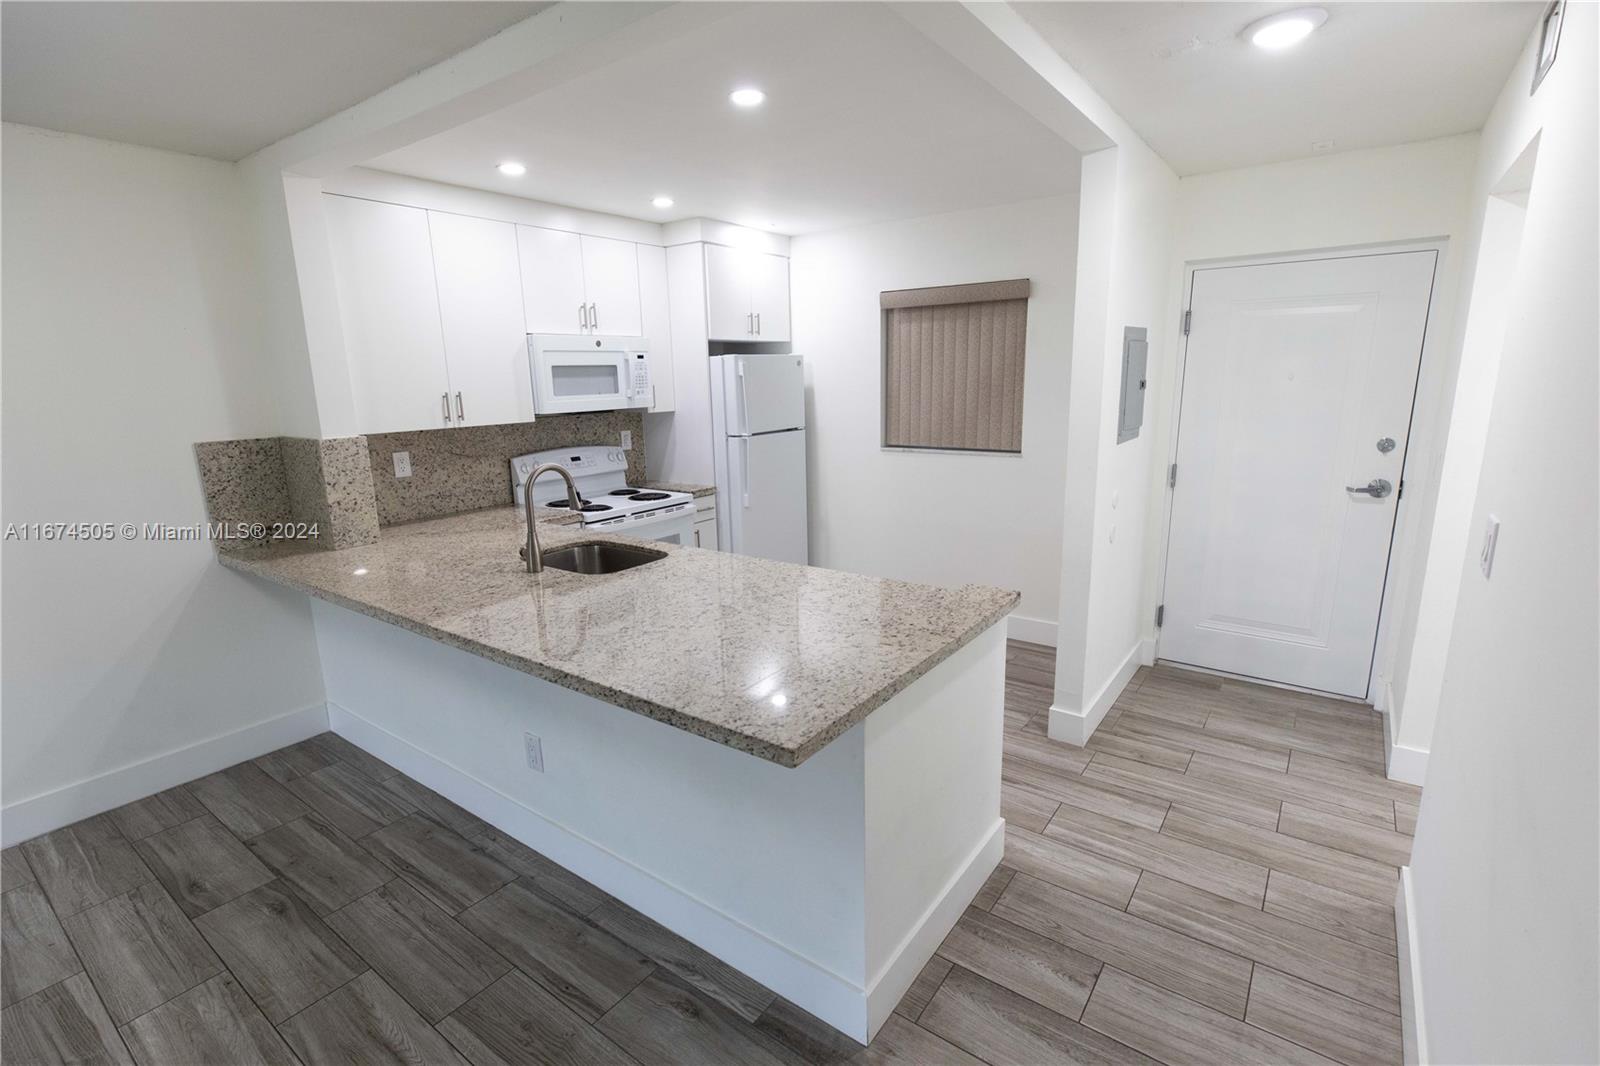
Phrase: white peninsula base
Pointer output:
(832, 883)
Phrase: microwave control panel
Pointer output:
(639, 373)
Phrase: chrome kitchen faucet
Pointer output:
(531, 549)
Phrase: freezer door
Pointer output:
(763, 393)
(767, 505)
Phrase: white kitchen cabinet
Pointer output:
(611, 284)
(383, 267)
(579, 284)
(769, 296)
(480, 307)
(655, 308)
(553, 299)
(747, 295)
(705, 522)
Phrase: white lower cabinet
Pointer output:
(705, 522)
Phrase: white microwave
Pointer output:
(584, 372)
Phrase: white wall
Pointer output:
(1505, 867)
(1122, 265)
(945, 518)
(131, 331)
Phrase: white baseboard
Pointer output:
(30, 817)
(1414, 1033)
(1032, 630)
(824, 993)
(1077, 725)
(1402, 762)
(889, 986)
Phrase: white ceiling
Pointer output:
(220, 79)
(1374, 74)
(865, 120)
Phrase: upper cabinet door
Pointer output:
(480, 305)
(553, 300)
(729, 314)
(656, 308)
(769, 296)
(383, 265)
(611, 279)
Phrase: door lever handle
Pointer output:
(1377, 488)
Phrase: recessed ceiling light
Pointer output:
(1285, 28)
(662, 201)
(512, 170)
(747, 97)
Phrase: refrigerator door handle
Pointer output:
(744, 402)
(745, 441)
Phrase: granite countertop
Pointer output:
(681, 486)
(770, 658)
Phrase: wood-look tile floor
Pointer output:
(1210, 880)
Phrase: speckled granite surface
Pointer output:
(681, 486)
(330, 483)
(243, 480)
(455, 470)
(769, 658)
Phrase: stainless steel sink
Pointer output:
(600, 558)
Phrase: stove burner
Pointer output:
(592, 507)
(564, 503)
(650, 496)
(623, 492)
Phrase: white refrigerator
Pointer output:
(758, 435)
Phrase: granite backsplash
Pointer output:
(454, 470)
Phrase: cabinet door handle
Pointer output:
(697, 538)
(583, 317)
(758, 323)
(749, 323)
(594, 318)
(446, 397)
(461, 412)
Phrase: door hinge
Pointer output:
(1400, 490)
(1188, 317)
(1172, 476)
(1161, 614)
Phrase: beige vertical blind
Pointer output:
(952, 366)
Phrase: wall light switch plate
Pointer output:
(402, 464)
(627, 440)
(535, 752)
(1491, 537)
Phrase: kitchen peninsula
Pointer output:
(797, 769)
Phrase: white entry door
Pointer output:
(1297, 393)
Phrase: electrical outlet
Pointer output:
(535, 752)
(1491, 537)
(627, 440)
(402, 464)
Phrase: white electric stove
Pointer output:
(610, 504)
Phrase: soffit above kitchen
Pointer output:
(221, 79)
(865, 120)
(1374, 74)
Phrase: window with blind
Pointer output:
(952, 366)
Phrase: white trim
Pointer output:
(885, 991)
(1402, 762)
(821, 991)
(27, 818)
(1032, 630)
(1076, 726)
(1382, 695)
(1413, 1030)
